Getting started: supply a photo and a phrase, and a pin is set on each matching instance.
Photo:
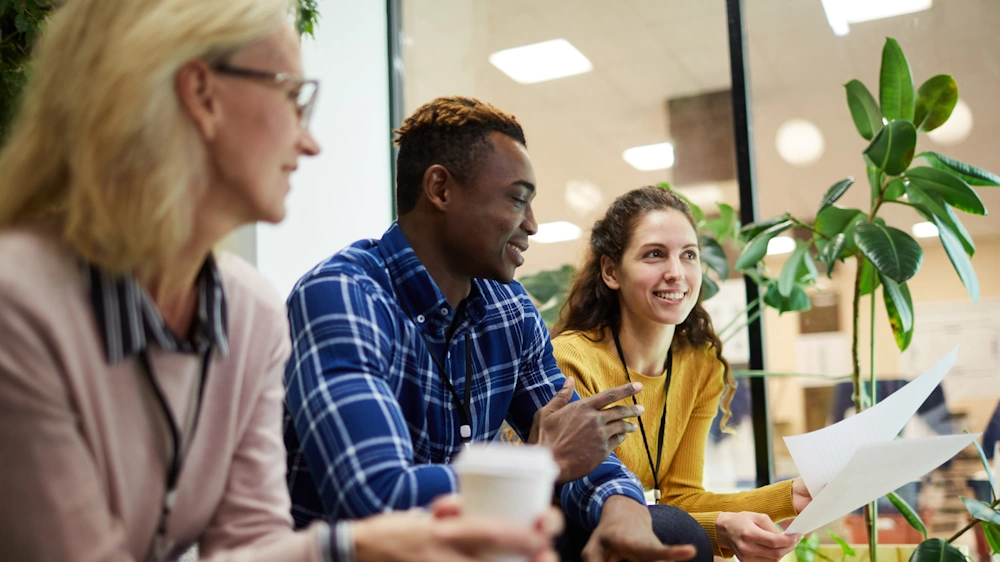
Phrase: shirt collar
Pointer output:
(416, 290)
(129, 321)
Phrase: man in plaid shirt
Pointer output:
(404, 348)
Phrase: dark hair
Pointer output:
(453, 132)
(592, 305)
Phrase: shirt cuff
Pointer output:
(337, 542)
(595, 507)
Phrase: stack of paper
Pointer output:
(858, 460)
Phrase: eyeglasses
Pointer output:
(301, 91)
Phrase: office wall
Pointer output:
(345, 193)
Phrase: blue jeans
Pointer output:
(670, 524)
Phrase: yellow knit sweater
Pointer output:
(695, 389)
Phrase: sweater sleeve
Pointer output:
(682, 482)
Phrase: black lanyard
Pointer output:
(161, 546)
(663, 420)
(464, 408)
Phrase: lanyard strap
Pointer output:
(178, 447)
(663, 420)
(464, 408)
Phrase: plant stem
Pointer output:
(872, 510)
(972, 524)
(749, 321)
(855, 360)
(746, 310)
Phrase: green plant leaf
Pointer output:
(875, 179)
(724, 226)
(833, 220)
(971, 174)
(807, 272)
(709, 288)
(713, 256)
(805, 551)
(844, 547)
(832, 252)
(696, 212)
(895, 84)
(892, 149)
(948, 187)
(992, 532)
(936, 550)
(987, 468)
(899, 307)
(835, 192)
(789, 271)
(864, 109)
(981, 510)
(959, 260)
(929, 207)
(796, 301)
(757, 248)
(750, 231)
(893, 252)
(894, 190)
(908, 513)
(544, 285)
(867, 273)
(936, 99)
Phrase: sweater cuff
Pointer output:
(707, 521)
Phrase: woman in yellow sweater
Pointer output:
(634, 314)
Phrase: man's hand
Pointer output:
(582, 434)
(753, 537)
(626, 531)
(800, 495)
(445, 535)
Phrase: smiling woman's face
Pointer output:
(659, 277)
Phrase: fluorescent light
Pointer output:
(925, 230)
(841, 13)
(799, 142)
(650, 157)
(543, 61)
(559, 231)
(780, 245)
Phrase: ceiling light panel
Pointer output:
(543, 61)
(650, 157)
(841, 13)
(559, 231)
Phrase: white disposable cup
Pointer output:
(506, 482)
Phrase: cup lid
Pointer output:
(503, 458)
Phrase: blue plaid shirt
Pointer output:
(370, 425)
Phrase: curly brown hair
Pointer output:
(591, 305)
(450, 131)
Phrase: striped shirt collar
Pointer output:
(415, 288)
(129, 321)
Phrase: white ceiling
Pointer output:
(646, 52)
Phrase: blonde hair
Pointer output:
(102, 146)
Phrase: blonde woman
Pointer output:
(140, 375)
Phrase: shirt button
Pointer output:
(444, 312)
(420, 318)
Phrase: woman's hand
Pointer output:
(752, 536)
(800, 495)
(443, 534)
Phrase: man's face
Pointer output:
(489, 224)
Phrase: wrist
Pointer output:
(342, 542)
(625, 507)
(722, 530)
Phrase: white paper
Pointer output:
(823, 454)
(873, 471)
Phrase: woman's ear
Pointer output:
(608, 273)
(195, 87)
